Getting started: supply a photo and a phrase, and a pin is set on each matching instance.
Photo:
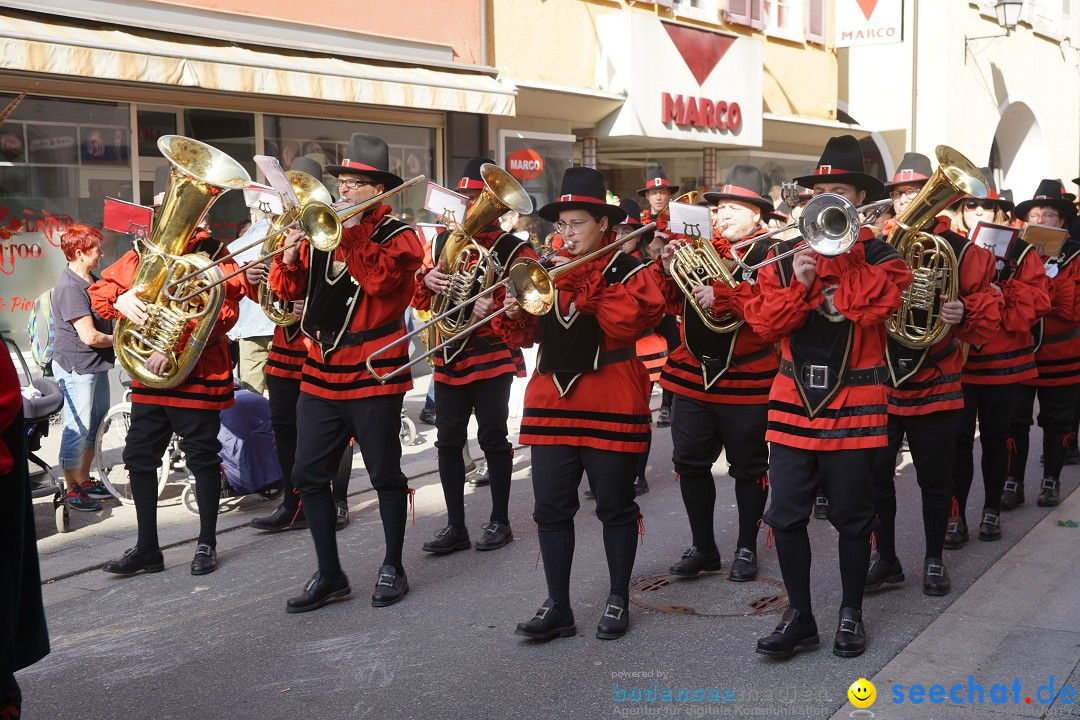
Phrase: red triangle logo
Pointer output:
(701, 50)
(867, 7)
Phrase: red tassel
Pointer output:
(641, 528)
(299, 507)
(769, 539)
(954, 512)
(412, 503)
(676, 477)
(1010, 446)
(764, 482)
(1069, 437)
(873, 541)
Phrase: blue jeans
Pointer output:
(86, 400)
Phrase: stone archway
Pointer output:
(1020, 149)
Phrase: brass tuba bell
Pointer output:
(179, 330)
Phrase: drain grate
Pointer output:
(703, 597)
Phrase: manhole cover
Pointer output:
(709, 595)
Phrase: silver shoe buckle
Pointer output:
(935, 571)
(618, 611)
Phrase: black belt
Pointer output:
(610, 357)
(862, 376)
(944, 352)
(359, 337)
(713, 363)
(1061, 337)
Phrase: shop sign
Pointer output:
(869, 22)
(525, 164)
(680, 82)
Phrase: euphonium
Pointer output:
(466, 261)
(197, 176)
(694, 263)
(308, 189)
(917, 323)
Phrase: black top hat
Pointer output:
(470, 179)
(309, 166)
(583, 188)
(655, 178)
(1050, 193)
(633, 212)
(914, 169)
(1003, 199)
(1076, 181)
(842, 162)
(161, 177)
(367, 155)
(745, 184)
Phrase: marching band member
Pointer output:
(355, 300)
(827, 404)
(925, 395)
(284, 370)
(1057, 356)
(191, 409)
(585, 406)
(721, 382)
(474, 376)
(991, 374)
(657, 193)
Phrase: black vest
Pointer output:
(570, 345)
(1069, 250)
(903, 361)
(821, 347)
(333, 294)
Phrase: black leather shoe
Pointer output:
(616, 619)
(390, 587)
(427, 416)
(990, 528)
(134, 562)
(205, 560)
(956, 534)
(663, 418)
(744, 566)
(850, 634)
(1012, 496)
(694, 561)
(342, 521)
(641, 486)
(548, 622)
(495, 534)
(883, 573)
(1050, 494)
(448, 540)
(793, 632)
(821, 507)
(280, 519)
(318, 592)
(935, 580)
(479, 477)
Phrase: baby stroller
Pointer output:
(42, 400)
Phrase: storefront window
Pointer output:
(412, 149)
(59, 160)
(537, 160)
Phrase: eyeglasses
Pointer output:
(574, 225)
(984, 204)
(354, 184)
(1040, 216)
(909, 194)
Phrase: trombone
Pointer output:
(829, 225)
(322, 226)
(527, 281)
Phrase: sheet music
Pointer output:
(445, 203)
(263, 198)
(276, 177)
(1046, 240)
(691, 220)
(995, 238)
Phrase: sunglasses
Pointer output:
(984, 204)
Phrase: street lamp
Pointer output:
(1007, 13)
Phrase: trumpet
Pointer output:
(320, 223)
(528, 281)
(829, 225)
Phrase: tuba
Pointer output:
(466, 261)
(308, 189)
(917, 323)
(696, 262)
(178, 330)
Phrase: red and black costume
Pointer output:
(355, 300)
(191, 409)
(990, 377)
(474, 375)
(924, 397)
(669, 325)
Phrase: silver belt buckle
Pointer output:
(817, 377)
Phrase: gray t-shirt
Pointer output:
(71, 301)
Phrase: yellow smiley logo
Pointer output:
(862, 693)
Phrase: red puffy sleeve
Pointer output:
(380, 268)
(623, 309)
(1026, 295)
(10, 405)
(775, 311)
(115, 281)
(670, 291)
(1064, 295)
(289, 282)
(421, 299)
(865, 294)
(235, 288)
(732, 299)
(982, 303)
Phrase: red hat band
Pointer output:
(467, 183)
(580, 198)
(829, 170)
(908, 174)
(738, 191)
(357, 166)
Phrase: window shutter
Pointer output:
(815, 21)
(757, 14)
(737, 12)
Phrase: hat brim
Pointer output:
(763, 204)
(890, 186)
(1005, 206)
(389, 179)
(1066, 208)
(863, 181)
(673, 188)
(613, 213)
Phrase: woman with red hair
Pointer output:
(82, 358)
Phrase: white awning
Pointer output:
(56, 46)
